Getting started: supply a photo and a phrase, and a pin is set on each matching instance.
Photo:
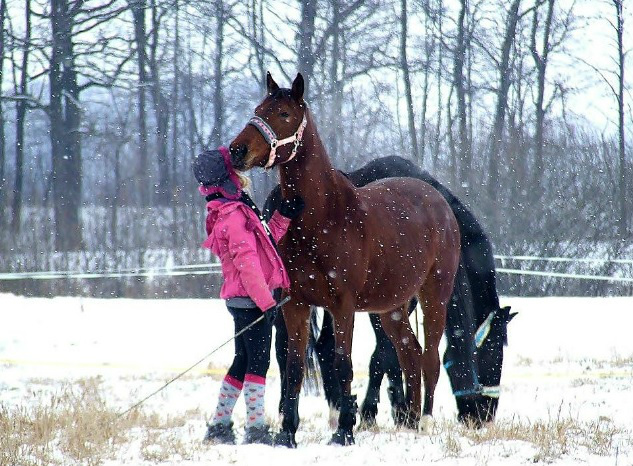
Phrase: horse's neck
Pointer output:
(311, 175)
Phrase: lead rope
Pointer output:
(139, 403)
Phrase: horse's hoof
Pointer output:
(400, 415)
(285, 439)
(426, 424)
(368, 416)
(342, 437)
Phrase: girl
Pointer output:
(253, 274)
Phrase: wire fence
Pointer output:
(161, 281)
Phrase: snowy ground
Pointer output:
(566, 388)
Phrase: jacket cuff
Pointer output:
(264, 306)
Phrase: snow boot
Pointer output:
(220, 434)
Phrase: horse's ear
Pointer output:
(271, 85)
(512, 316)
(297, 88)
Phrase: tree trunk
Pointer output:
(404, 65)
(334, 122)
(20, 117)
(540, 61)
(429, 46)
(440, 104)
(502, 100)
(161, 112)
(622, 179)
(138, 13)
(65, 118)
(305, 58)
(459, 85)
(175, 146)
(217, 133)
(3, 7)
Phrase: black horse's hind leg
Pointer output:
(324, 347)
(383, 361)
(343, 364)
(281, 350)
(369, 408)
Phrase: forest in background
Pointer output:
(520, 107)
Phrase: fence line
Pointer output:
(540, 273)
(564, 259)
(214, 268)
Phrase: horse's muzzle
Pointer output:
(238, 156)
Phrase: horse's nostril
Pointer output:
(238, 153)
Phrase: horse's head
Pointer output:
(276, 130)
(482, 408)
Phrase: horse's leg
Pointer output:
(395, 390)
(394, 374)
(296, 315)
(344, 329)
(325, 352)
(434, 294)
(369, 408)
(396, 325)
(281, 352)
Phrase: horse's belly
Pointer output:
(392, 285)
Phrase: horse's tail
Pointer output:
(312, 375)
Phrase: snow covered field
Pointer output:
(566, 388)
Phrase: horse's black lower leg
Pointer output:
(281, 350)
(290, 410)
(395, 390)
(369, 408)
(343, 365)
(325, 354)
(296, 317)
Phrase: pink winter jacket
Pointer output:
(250, 264)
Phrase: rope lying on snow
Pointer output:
(140, 402)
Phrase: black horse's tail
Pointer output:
(312, 375)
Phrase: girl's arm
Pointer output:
(243, 252)
(278, 225)
(288, 210)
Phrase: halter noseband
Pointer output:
(271, 138)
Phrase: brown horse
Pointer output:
(352, 249)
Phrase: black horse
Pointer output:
(476, 327)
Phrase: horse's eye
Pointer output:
(284, 114)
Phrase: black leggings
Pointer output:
(252, 348)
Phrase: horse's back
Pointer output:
(397, 196)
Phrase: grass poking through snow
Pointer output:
(75, 426)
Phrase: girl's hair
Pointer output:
(245, 182)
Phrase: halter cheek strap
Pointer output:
(271, 138)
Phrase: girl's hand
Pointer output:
(292, 208)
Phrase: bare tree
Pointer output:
(69, 19)
(65, 117)
(138, 8)
(459, 83)
(406, 75)
(512, 19)
(623, 176)
(218, 72)
(159, 101)
(540, 56)
(3, 8)
(306, 30)
(20, 117)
